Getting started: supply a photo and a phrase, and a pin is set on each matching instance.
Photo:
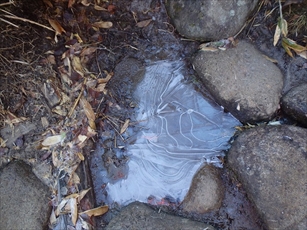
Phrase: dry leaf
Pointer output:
(96, 211)
(80, 155)
(88, 51)
(56, 26)
(143, 23)
(89, 112)
(125, 126)
(70, 3)
(76, 64)
(53, 140)
(61, 206)
(73, 210)
(102, 24)
(85, 3)
(270, 59)
(48, 3)
(106, 79)
(82, 194)
(96, 7)
(52, 218)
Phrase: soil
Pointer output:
(31, 59)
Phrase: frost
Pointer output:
(180, 132)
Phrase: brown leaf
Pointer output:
(80, 155)
(70, 3)
(88, 51)
(96, 211)
(97, 7)
(85, 3)
(125, 126)
(48, 3)
(53, 140)
(56, 26)
(82, 194)
(89, 112)
(144, 23)
(102, 24)
(76, 64)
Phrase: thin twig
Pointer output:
(7, 3)
(30, 21)
(8, 22)
(78, 99)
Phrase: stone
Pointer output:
(271, 164)
(294, 103)
(140, 216)
(209, 20)
(242, 81)
(206, 192)
(24, 199)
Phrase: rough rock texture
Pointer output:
(242, 81)
(294, 103)
(24, 199)
(209, 20)
(206, 192)
(271, 163)
(139, 216)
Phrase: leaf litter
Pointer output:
(74, 102)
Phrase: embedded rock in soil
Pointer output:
(209, 20)
(24, 199)
(294, 103)
(242, 81)
(271, 164)
(206, 191)
(139, 216)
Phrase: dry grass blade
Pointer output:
(7, 3)
(30, 21)
(8, 22)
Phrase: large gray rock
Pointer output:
(139, 216)
(206, 192)
(208, 20)
(271, 163)
(23, 198)
(294, 103)
(241, 80)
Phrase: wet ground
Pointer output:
(141, 30)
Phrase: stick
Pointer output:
(30, 21)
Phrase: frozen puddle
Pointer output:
(180, 131)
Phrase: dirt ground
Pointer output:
(57, 58)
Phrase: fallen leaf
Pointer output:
(70, 3)
(56, 26)
(125, 126)
(102, 24)
(96, 7)
(276, 35)
(111, 9)
(96, 211)
(48, 3)
(73, 210)
(270, 59)
(52, 218)
(80, 155)
(144, 23)
(82, 194)
(53, 140)
(88, 51)
(76, 64)
(61, 206)
(89, 112)
(85, 3)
